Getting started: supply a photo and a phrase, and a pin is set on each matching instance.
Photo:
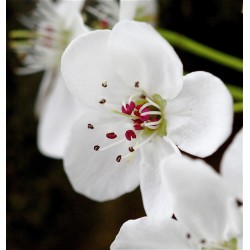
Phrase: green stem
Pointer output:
(236, 92)
(238, 107)
(201, 50)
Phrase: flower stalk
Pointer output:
(191, 46)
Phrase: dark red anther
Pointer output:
(138, 114)
(90, 126)
(130, 134)
(96, 147)
(129, 108)
(138, 124)
(118, 158)
(104, 24)
(111, 135)
(131, 149)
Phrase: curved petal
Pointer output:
(139, 10)
(146, 233)
(60, 113)
(200, 118)
(232, 165)
(45, 87)
(98, 174)
(201, 199)
(86, 65)
(140, 54)
(156, 200)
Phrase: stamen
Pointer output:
(145, 141)
(118, 158)
(130, 134)
(102, 101)
(96, 147)
(144, 106)
(105, 84)
(137, 85)
(111, 135)
(203, 241)
(152, 123)
(188, 235)
(112, 144)
(131, 149)
(133, 96)
(90, 126)
(153, 103)
(151, 113)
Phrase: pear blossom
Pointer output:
(207, 216)
(132, 81)
(52, 26)
(232, 165)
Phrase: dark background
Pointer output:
(43, 211)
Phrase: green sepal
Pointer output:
(158, 100)
(162, 130)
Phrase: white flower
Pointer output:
(53, 26)
(232, 166)
(114, 73)
(207, 215)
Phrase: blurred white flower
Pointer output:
(232, 166)
(132, 80)
(52, 26)
(207, 216)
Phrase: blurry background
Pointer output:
(43, 211)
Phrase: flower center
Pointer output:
(146, 117)
(41, 45)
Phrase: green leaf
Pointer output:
(191, 46)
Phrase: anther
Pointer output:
(111, 135)
(188, 235)
(131, 149)
(239, 203)
(105, 84)
(102, 101)
(203, 241)
(96, 147)
(118, 158)
(174, 217)
(137, 84)
(90, 126)
(130, 134)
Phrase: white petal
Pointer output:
(156, 199)
(201, 199)
(97, 174)
(140, 10)
(146, 233)
(69, 9)
(86, 65)
(44, 89)
(200, 118)
(139, 53)
(60, 113)
(232, 165)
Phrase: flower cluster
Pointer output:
(120, 113)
